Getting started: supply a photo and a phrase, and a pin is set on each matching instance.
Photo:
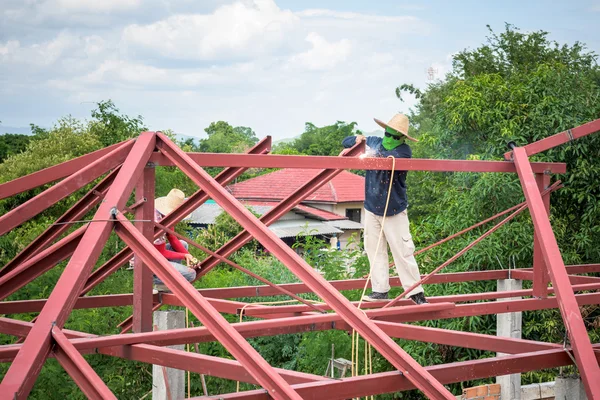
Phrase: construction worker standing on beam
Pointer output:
(386, 220)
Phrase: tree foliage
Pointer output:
(12, 144)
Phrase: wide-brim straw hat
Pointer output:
(166, 204)
(399, 123)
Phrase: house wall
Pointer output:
(345, 237)
(320, 206)
(340, 208)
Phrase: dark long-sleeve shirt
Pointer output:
(377, 182)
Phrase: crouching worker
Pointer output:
(394, 222)
(173, 249)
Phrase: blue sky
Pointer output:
(269, 64)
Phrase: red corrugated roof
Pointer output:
(345, 187)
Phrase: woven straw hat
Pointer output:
(171, 201)
(399, 123)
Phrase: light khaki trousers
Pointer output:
(396, 233)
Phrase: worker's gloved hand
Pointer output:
(190, 260)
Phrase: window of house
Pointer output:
(353, 214)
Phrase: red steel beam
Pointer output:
(389, 382)
(25, 368)
(80, 209)
(193, 362)
(333, 162)
(582, 347)
(53, 173)
(367, 329)
(78, 369)
(201, 364)
(40, 263)
(348, 284)
(268, 378)
(408, 313)
(225, 177)
(541, 277)
(464, 339)
(311, 186)
(264, 311)
(574, 279)
(50, 196)
(142, 276)
(558, 139)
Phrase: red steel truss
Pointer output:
(128, 168)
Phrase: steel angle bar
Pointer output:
(53, 173)
(348, 284)
(78, 369)
(333, 162)
(541, 277)
(558, 139)
(193, 362)
(388, 382)
(202, 364)
(268, 378)
(224, 177)
(367, 329)
(308, 188)
(59, 191)
(580, 341)
(26, 366)
(40, 263)
(61, 225)
(142, 276)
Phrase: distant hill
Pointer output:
(286, 140)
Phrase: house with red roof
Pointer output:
(335, 211)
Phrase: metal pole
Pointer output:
(142, 276)
(580, 341)
(540, 271)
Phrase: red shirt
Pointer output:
(178, 252)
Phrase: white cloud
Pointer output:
(238, 30)
(39, 54)
(9, 47)
(251, 63)
(323, 54)
(94, 5)
(320, 13)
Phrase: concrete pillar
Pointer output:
(569, 388)
(168, 320)
(509, 325)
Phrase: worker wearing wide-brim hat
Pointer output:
(173, 249)
(391, 223)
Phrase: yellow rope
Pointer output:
(368, 347)
(263, 304)
(187, 325)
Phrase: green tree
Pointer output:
(518, 87)
(323, 141)
(224, 138)
(110, 126)
(12, 144)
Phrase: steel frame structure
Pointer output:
(128, 168)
